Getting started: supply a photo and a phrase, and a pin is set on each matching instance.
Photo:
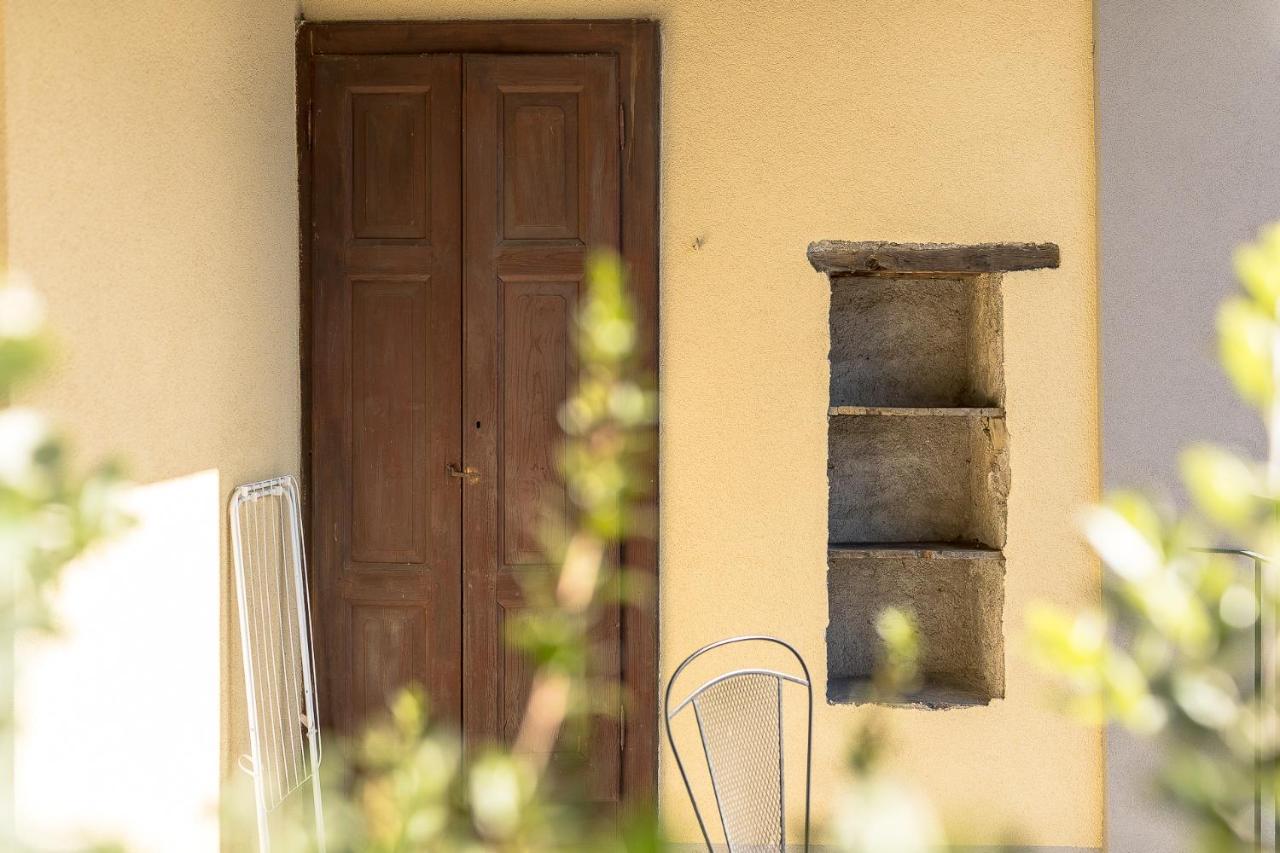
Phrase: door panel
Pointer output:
(540, 165)
(389, 170)
(386, 380)
(538, 369)
(381, 636)
(390, 480)
(542, 188)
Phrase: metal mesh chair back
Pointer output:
(739, 719)
(740, 722)
(275, 635)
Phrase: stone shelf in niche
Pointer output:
(916, 343)
(930, 478)
(957, 597)
(918, 411)
(860, 691)
(918, 550)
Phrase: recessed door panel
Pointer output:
(390, 399)
(391, 150)
(390, 649)
(538, 369)
(540, 146)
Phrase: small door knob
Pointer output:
(468, 473)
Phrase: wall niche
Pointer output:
(918, 459)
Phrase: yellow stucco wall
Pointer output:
(152, 196)
(152, 180)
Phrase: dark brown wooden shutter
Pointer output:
(541, 191)
(386, 380)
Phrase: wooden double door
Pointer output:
(453, 199)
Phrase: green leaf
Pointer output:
(898, 669)
(1209, 697)
(1258, 268)
(1125, 533)
(1222, 484)
(1246, 337)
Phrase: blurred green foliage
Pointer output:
(874, 811)
(49, 514)
(1172, 653)
(404, 784)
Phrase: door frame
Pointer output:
(635, 43)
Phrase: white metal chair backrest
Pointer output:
(275, 635)
(740, 722)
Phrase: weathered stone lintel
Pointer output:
(879, 258)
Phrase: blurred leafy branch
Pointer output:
(49, 514)
(404, 784)
(1172, 654)
(875, 812)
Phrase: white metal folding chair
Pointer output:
(739, 717)
(275, 635)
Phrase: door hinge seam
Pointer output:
(310, 126)
(622, 125)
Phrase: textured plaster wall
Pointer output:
(863, 119)
(152, 192)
